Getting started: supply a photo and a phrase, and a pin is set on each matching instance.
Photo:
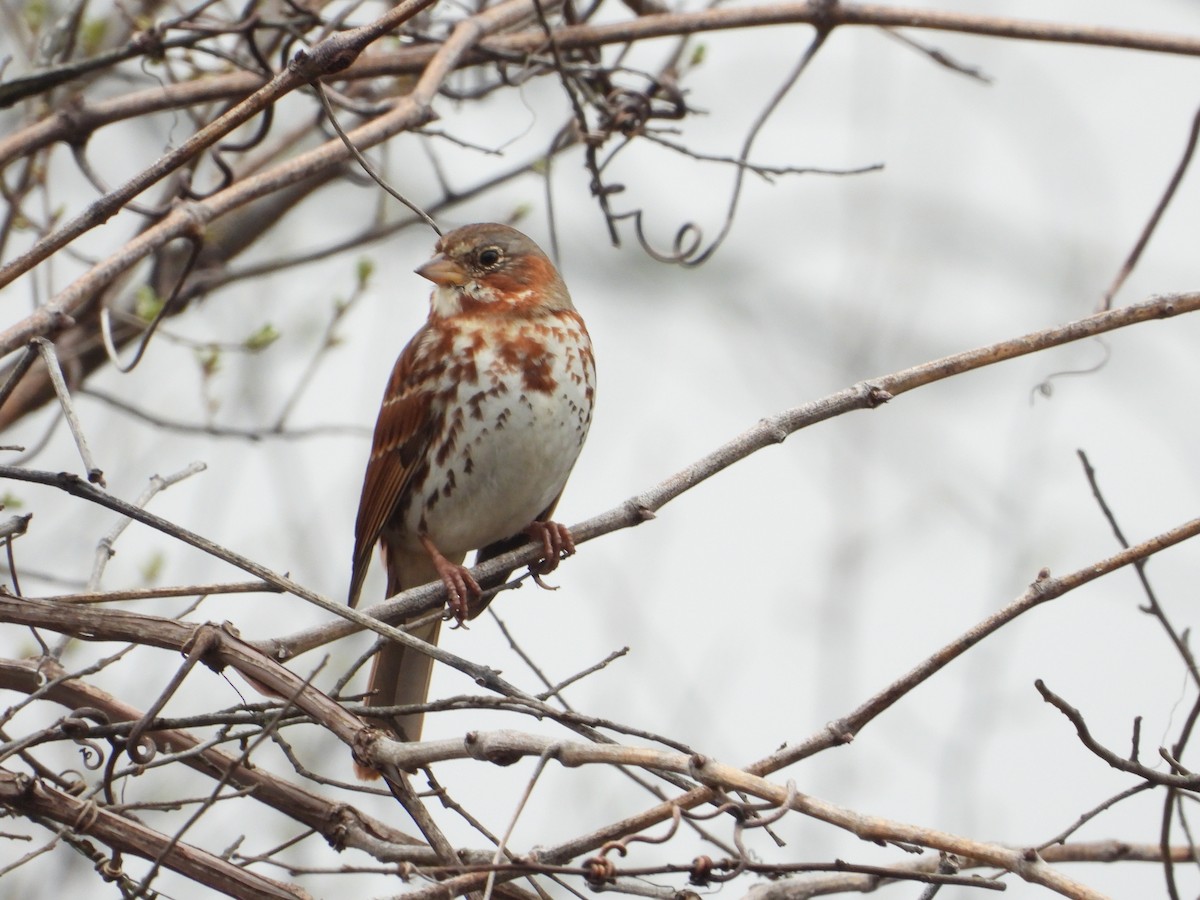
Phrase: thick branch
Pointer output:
(864, 395)
(505, 747)
(341, 825)
(190, 219)
(76, 123)
(805, 887)
(1044, 589)
(29, 796)
(331, 55)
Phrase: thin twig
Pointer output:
(158, 593)
(17, 372)
(332, 54)
(1061, 837)
(1164, 201)
(366, 163)
(687, 249)
(104, 548)
(939, 56)
(50, 359)
(327, 343)
(223, 431)
(1166, 779)
(502, 846)
(1154, 608)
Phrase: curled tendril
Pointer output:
(598, 870)
(685, 248)
(622, 846)
(734, 809)
(1045, 387)
(702, 870)
(75, 725)
(733, 870)
(90, 753)
(142, 750)
(755, 821)
(619, 846)
(779, 811)
(73, 782)
(88, 814)
(265, 121)
(628, 110)
(111, 869)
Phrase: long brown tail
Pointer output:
(400, 676)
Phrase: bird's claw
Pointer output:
(557, 544)
(537, 579)
(461, 587)
(461, 590)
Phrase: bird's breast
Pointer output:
(515, 405)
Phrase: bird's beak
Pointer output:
(443, 271)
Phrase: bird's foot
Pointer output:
(461, 588)
(557, 544)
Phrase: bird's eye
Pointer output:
(489, 256)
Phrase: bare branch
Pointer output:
(50, 360)
(1164, 201)
(331, 55)
(867, 394)
(504, 746)
(33, 797)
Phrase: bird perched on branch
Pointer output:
(482, 420)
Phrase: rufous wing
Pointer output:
(403, 434)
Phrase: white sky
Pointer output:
(781, 594)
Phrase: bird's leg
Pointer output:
(461, 587)
(557, 543)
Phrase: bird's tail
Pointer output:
(400, 675)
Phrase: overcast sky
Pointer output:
(784, 592)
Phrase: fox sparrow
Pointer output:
(481, 422)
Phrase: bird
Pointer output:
(482, 420)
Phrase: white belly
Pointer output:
(517, 431)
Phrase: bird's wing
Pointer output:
(403, 433)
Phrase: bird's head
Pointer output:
(492, 268)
